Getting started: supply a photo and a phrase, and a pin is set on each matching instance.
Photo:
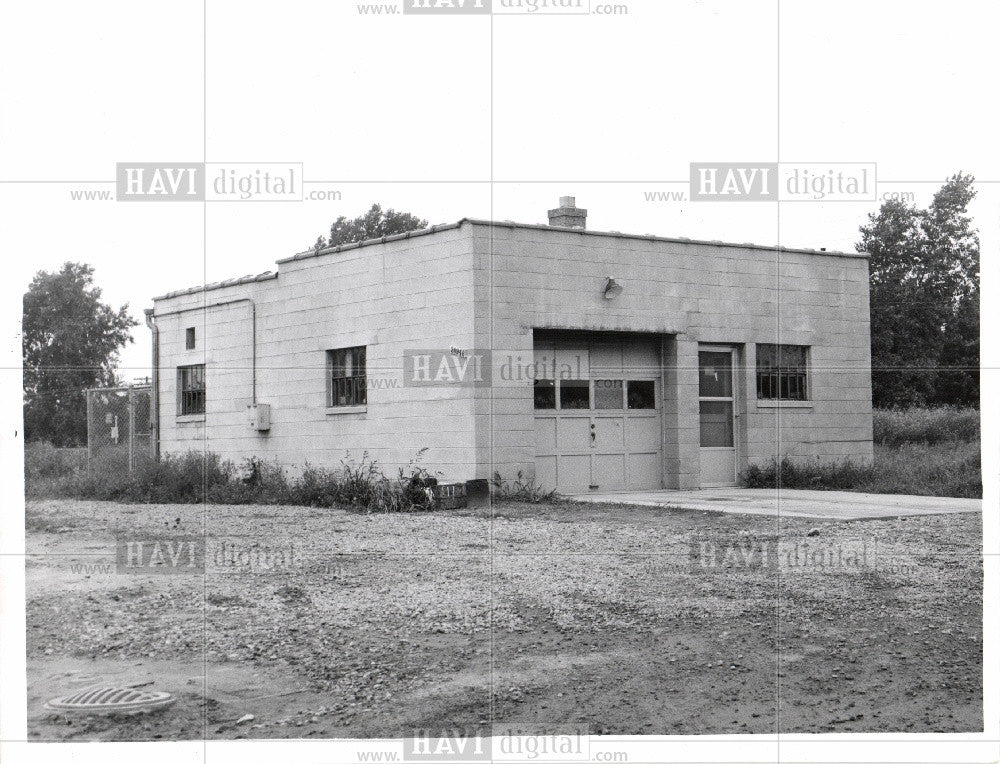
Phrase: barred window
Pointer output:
(347, 383)
(191, 384)
(781, 372)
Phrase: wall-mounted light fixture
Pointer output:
(612, 289)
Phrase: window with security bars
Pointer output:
(781, 372)
(346, 378)
(191, 384)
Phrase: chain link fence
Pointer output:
(119, 428)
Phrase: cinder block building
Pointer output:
(591, 361)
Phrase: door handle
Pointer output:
(593, 433)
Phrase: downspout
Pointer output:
(253, 352)
(253, 339)
(154, 396)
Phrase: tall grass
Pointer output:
(945, 469)
(929, 451)
(919, 451)
(195, 477)
(943, 424)
(43, 461)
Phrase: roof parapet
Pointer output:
(310, 253)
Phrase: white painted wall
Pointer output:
(411, 293)
(530, 278)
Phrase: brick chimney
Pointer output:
(567, 214)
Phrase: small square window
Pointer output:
(189, 338)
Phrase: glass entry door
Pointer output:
(716, 403)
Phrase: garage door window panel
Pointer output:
(641, 394)
(545, 394)
(574, 394)
(608, 394)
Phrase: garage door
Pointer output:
(597, 414)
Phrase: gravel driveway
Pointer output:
(627, 620)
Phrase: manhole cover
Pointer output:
(98, 700)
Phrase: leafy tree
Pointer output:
(70, 341)
(924, 278)
(958, 381)
(374, 224)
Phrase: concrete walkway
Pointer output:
(821, 505)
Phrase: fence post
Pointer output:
(90, 426)
(131, 432)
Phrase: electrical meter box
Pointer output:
(260, 417)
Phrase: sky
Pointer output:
(470, 116)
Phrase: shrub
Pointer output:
(789, 474)
(895, 427)
(255, 482)
(178, 478)
(362, 486)
(522, 489)
(315, 487)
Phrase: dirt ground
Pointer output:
(614, 620)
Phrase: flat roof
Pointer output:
(309, 253)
